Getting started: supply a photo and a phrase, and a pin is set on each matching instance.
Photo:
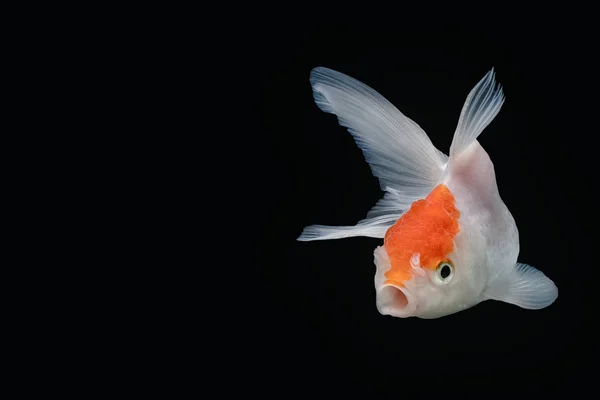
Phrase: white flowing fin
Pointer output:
(381, 217)
(392, 203)
(369, 227)
(524, 286)
(481, 106)
(398, 151)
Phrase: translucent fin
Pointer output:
(370, 227)
(381, 217)
(399, 152)
(481, 106)
(525, 287)
(393, 203)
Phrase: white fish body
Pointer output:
(450, 241)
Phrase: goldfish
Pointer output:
(449, 240)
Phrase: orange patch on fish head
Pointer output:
(427, 228)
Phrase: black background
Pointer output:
(313, 326)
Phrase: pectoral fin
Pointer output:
(524, 286)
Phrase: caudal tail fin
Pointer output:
(398, 151)
(368, 227)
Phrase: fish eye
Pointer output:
(445, 269)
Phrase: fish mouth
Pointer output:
(396, 301)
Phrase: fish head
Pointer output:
(431, 264)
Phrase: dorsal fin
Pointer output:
(481, 106)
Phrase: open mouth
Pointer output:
(395, 301)
(391, 300)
